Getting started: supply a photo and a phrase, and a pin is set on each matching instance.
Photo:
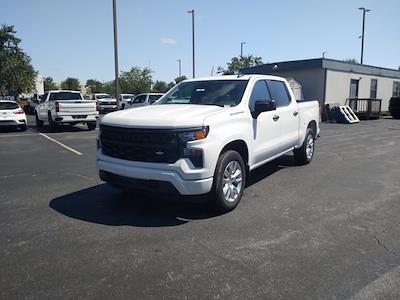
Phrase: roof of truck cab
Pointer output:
(234, 77)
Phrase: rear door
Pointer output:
(287, 114)
(266, 134)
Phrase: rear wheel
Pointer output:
(305, 153)
(22, 127)
(91, 125)
(229, 181)
(39, 123)
(53, 125)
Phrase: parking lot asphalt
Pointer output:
(328, 230)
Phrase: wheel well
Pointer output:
(239, 146)
(313, 126)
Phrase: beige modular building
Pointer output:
(334, 81)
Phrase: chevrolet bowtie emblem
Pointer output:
(159, 153)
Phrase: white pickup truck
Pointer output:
(66, 107)
(206, 135)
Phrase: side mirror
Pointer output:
(261, 106)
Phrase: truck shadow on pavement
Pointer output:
(105, 205)
(59, 128)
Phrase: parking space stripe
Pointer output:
(57, 142)
(16, 135)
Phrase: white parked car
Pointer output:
(125, 99)
(66, 107)
(143, 100)
(106, 102)
(206, 135)
(11, 114)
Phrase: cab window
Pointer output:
(260, 93)
(279, 92)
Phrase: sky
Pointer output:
(74, 38)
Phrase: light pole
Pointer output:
(192, 12)
(116, 52)
(365, 10)
(179, 61)
(241, 49)
(323, 54)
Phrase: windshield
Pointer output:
(65, 96)
(104, 96)
(208, 92)
(8, 105)
(127, 97)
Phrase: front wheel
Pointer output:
(305, 153)
(229, 181)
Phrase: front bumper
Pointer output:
(104, 107)
(185, 181)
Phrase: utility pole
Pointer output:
(241, 49)
(116, 52)
(365, 10)
(193, 56)
(180, 73)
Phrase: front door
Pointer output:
(265, 133)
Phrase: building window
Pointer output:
(374, 88)
(396, 89)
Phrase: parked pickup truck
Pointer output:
(206, 135)
(106, 102)
(66, 107)
(143, 100)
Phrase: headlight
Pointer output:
(194, 135)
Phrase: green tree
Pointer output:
(160, 87)
(180, 78)
(49, 84)
(71, 84)
(95, 86)
(237, 63)
(136, 81)
(17, 74)
(170, 85)
(351, 61)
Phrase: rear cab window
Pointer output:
(65, 96)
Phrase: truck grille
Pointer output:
(146, 145)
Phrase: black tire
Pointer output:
(53, 125)
(217, 197)
(39, 123)
(305, 153)
(22, 128)
(91, 125)
(123, 106)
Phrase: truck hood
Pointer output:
(162, 116)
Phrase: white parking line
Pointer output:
(57, 142)
(16, 135)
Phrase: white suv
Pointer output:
(11, 114)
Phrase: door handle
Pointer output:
(295, 113)
(275, 118)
